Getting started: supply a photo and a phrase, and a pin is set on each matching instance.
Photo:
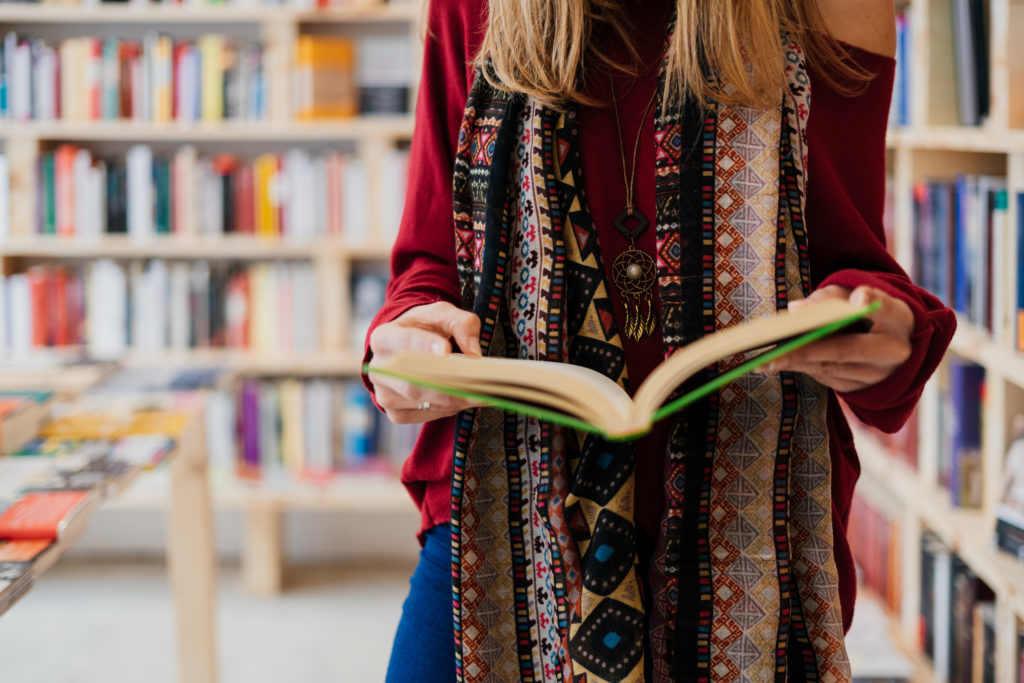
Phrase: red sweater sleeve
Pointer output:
(845, 201)
(423, 259)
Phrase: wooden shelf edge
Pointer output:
(976, 345)
(389, 127)
(214, 14)
(213, 247)
(957, 139)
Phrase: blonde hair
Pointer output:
(543, 47)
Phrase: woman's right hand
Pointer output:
(422, 328)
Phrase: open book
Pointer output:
(584, 399)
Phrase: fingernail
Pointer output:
(437, 348)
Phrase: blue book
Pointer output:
(962, 272)
(944, 236)
(1020, 271)
(966, 381)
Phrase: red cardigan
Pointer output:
(845, 198)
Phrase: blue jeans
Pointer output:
(424, 649)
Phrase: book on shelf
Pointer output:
(154, 306)
(383, 69)
(875, 541)
(968, 593)
(963, 247)
(1010, 508)
(47, 515)
(16, 569)
(299, 195)
(1018, 318)
(970, 52)
(966, 398)
(325, 79)
(279, 430)
(899, 113)
(151, 77)
(553, 391)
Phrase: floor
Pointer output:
(113, 623)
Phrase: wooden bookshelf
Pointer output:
(933, 146)
(277, 29)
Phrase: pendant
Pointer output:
(633, 272)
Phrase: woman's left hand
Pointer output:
(850, 362)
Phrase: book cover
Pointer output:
(966, 388)
(43, 515)
(325, 83)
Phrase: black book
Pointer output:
(117, 197)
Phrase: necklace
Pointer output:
(633, 270)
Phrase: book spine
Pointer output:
(1020, 275)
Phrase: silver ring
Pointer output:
(424, 405)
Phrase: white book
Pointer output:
(320, 191)
(179, 305)
(81, 194)
(187, 85)
(21, 83)
(149, 41)
(141, 200)
(5, 199)
(42, 82)
(19, 301)
(355, 208)
(391, 194)
(106, 297)
(304, 309)
(137, 317)
(220, 431)
(282, 303)
(317, 426)
(5, 343)
(158, 293)
(184, 198)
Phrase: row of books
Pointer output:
(957, 616)
(298, 195)
(875, 541)
(965, 248)
(958, 64)
(156, 306)
(156, 79)
(301, 429)
(961, 406)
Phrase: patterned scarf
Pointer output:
(547, 583)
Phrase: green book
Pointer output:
(584, 399)
(49, 191)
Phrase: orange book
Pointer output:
(44, 515)
(64, 186)
(238, 306)
(325, 78)
(23, 551)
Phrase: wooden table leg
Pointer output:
(262, 554)
(191, 559)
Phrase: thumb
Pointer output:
(450, 321)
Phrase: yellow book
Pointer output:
(292, 442)
(163, 78)
(325, 78)
(266, 167)
(211, 55)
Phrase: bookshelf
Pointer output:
(334, 259)
(931, 145)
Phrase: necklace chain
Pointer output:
(630, 177)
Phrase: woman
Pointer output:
(627, 176)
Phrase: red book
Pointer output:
(238, 305)
(43, 514)
(245, 200)
(95, 84)
(37, 298)
(61, 307)
(129, 55)
(178, 50)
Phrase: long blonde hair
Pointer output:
(542, 48)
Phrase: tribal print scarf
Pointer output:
(743, 584)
